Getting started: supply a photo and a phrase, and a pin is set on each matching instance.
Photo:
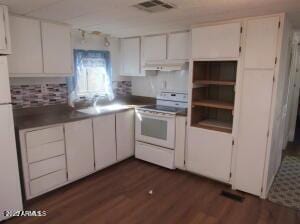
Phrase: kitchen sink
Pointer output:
(102, 109)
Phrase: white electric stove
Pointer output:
(155, 129)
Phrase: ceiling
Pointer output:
(119, 18)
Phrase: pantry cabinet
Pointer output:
(154, 48)
(125, 134)
(5, 46)
(27, 54)
(56, 40)
(253, 136)
(105, 141)
(79, 148)
(131, 56)
(261, 43)
(216, 41)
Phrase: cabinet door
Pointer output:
(253, 128)
(79, 148)
(4, 82)
(130, 56)
(57, 53)
(261, 42)
(178, 46)
(155, 48)
(125, 134)
(219, 41)
(4, 31)
(209, 153)
(27, 54)
(180, 142)
(105, 141)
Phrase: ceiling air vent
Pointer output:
(154, 6)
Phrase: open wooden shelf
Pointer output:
(214, 104)
(214, 82)
(215, 125)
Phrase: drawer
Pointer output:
(44, 167)
(45, 151)
(43, 136)
(154, 154)
(48, 182)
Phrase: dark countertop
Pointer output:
(57, 114)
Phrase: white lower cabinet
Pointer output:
(125, 134)
(209, 153)
(180, 142)
(79, 148)
(105, 141)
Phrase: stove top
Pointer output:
(164, 108)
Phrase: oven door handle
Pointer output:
(155, 114)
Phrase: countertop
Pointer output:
(49, 115)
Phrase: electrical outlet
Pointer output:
(44, 88)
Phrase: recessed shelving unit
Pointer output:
(213, 95)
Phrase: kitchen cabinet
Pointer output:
(178, 46)
(261, 42)
(131, 56)
(5, 96)
(27, 54)
(154, 48)
(209, 153)
(40, 49)
(252, 136)
(57, 52)
(79, 148)
(5, 46)
(180, 142)
(105, 141)
(125, 134)
(216, 41)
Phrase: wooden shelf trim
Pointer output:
(214, 82)
(214, 104)
(215, 125)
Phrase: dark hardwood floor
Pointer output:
(119, 194)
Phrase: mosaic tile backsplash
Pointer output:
(122, 88)
(24, 96)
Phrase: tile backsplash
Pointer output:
(34, 95)
(122, 88)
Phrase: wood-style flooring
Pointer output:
(120, 194)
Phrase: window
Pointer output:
(92, 74)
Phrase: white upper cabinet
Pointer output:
(27, 54)
(56, 41)
(40, 49)
(5, 47)
(79, 148)
(216, 41)
(125, 134)
(154, 48)
(261, 42)
(131, 56)
(105, 141)
(178, 46)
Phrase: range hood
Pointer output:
(165, 67)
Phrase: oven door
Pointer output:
(155, 128)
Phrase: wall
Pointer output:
(150, 85)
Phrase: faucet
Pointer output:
(96, 98)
